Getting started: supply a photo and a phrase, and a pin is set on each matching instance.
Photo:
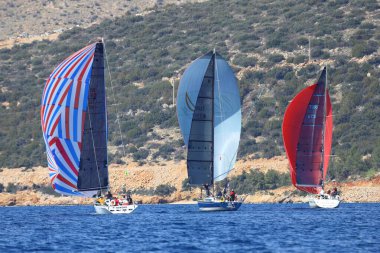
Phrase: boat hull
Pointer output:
(324, 203)
(105, 209)
(218, 206)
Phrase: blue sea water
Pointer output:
(182, 228)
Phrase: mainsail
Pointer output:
(209, 115)
(74, 123)
(307, 135)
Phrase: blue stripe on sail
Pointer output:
(56, 110)
(65, 190)
(72, 151)
(75, 124)
(63, 168)
(85, 98)
(53, 116)
(68, 97)
(58, 93)
(49, 86)
(60, 129)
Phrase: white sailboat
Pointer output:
(74, 125)
(209, 115)
(307, 135)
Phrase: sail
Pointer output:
(74, 123)
(209, 115)
(307, 135)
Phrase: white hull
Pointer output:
(327, 202)
(210, 205)
(105, 209)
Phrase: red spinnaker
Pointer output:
(307, 135)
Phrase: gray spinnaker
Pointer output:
(209, 115)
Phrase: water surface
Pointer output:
(182, 228)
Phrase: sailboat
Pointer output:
(74, 126)
(307, 135)
(209, 116)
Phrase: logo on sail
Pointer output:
(189, 104)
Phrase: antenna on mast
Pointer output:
(309, 49)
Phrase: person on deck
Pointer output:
(109, 195)
(334, 192)
(207, 190)
(232, 195)
(129, 199)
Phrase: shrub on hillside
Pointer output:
(185, 185)
(11, 188)
(141, 154)
(363, 49)
(164, 190)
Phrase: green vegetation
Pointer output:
(249, 183)
(164, 190)
(145, 49)
(161, 190)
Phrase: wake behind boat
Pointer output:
(74, 125)
(209, 116)
(307, 135)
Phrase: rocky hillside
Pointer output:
(267, 45)
(40, 18)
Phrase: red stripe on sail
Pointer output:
(55, 125)
(64, 180)
(64, 95)
(65, 156)
(327, 135)
(79, 85)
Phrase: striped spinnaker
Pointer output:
(63, 109)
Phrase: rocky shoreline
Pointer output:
(32, 187)
(351, 192)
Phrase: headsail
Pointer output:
(307, 135)
(209, 115)
(74, 123)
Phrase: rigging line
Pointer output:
(228, 170)
(114, 98)
(93, 147)
(218, 81)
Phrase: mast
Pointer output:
(212, 116)
(323, 128)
